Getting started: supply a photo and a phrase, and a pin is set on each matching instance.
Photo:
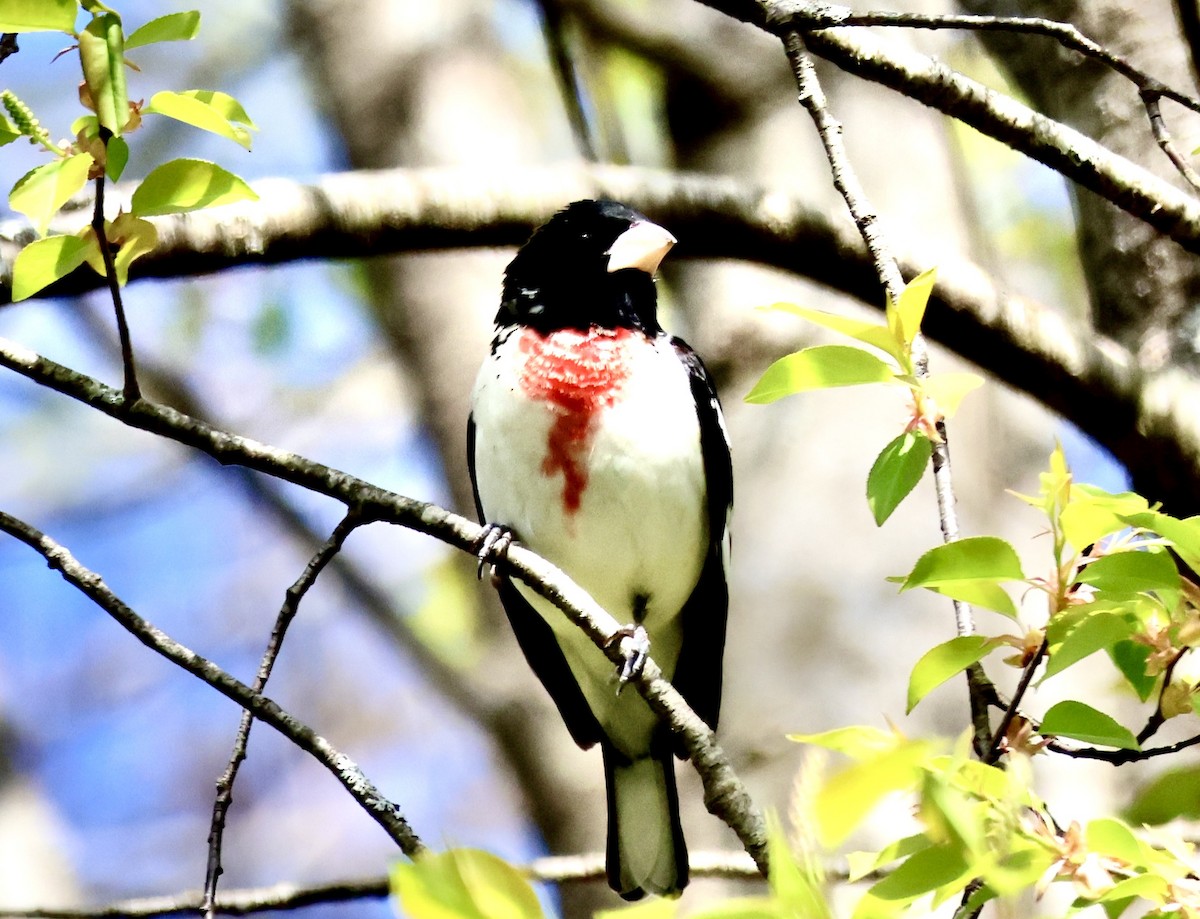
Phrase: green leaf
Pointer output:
(940, 663)
(869, 333)
(1172, 795)
(102, 53)
(971, 559)
(1131, 658)
(224, 103)
(1151, 887)
(857, 741)
(1093, 513)
(118, 156)
(1131, 572)
(44, 261)
(863, 863)
(181, 26)
(1098, 631)
(130, 238)
(922, 873)
(795, 878)
(1184, 535)
(1080, 721)
(896, 472)
(851, 794)
(949, 389)
(8, 131)
(42, 191)
(464, 884)
(819, 367)
(208, 116)
(1113, 838)
(906, 315)
(182, 185)
(38, 15)
(969, 570)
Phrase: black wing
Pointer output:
(698, 672)
(537, 640)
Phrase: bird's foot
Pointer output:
(634, 644)
(492, 547)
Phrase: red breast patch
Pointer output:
(579, 374)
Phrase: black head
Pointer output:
(591, 264)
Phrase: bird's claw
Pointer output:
(492, 546)
(634, 645)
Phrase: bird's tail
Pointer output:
(646, 851)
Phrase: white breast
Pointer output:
(640, 532)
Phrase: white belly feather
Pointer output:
(640, 532)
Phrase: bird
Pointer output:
(596, 440)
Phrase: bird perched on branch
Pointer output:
(596, 439)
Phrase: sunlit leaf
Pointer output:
(1183, 534)
(191, 109)
(38, 15)
(1113, 838)
(181, 26)
(184, 185)
(819, 367)
(44, 261)
(1080, 721)
(1093, 633)
(896, 472)
(949, 389)
(857, 741)
(851, 794)
(1131, 572)
(869, 333)
(970, 570)
(863, 863)
(909, 310)
(1093, 514)
(922, 873)
(130, 238)
(42, 191)
(940, 663)
(102, 53)
(463, 884)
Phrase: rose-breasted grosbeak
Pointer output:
(596, 439)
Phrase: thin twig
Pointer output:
(994, 748)
(131, 390)
(812, 97)
(287, 612)
(725, 795)
(1163, 136)
(816, 16)
(1157, 719)
(347, 772)
(1120, 757)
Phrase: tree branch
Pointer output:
(554, 869)
(59, 558)
(1146, 420)
(919, 77)
(725, 795)
(287, 612)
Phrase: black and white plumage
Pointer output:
(597, 440)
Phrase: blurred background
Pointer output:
(108, 754)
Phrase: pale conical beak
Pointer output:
(642, 246)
